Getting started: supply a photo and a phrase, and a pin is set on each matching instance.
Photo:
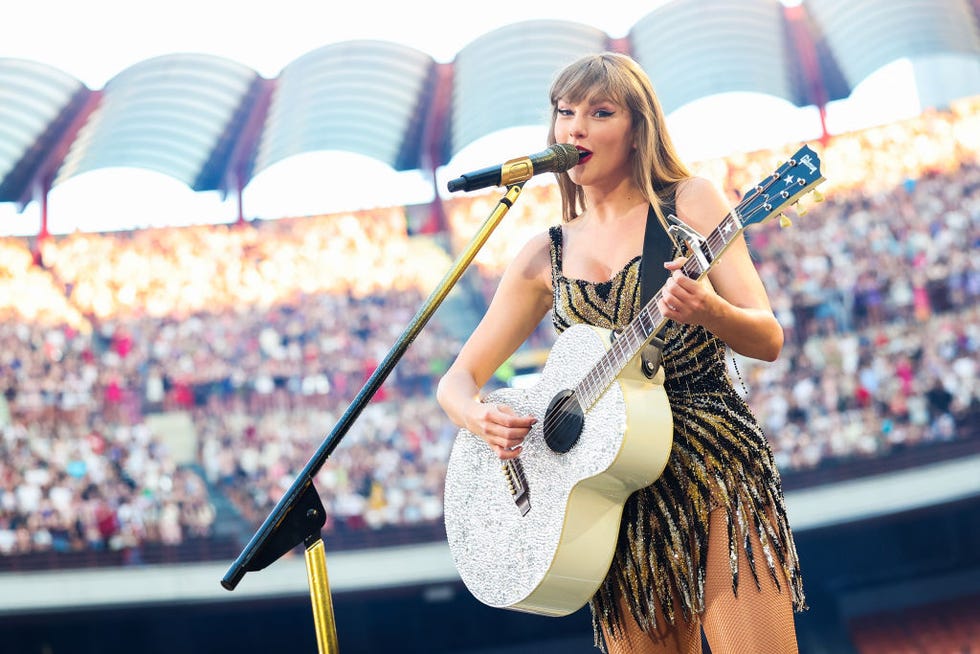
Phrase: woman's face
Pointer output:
(601, 130)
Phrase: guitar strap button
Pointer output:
(651, 357)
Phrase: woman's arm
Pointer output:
(520, 303)
(734, 306)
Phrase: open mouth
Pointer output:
(583, 154)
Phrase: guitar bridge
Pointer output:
(517, 484)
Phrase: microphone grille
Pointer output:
(566, 156)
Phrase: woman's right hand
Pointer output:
(501, 427)
(521, 301)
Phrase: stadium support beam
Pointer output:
(621, 45)
(806, 49)
(54, 148)
(434, 145)
(242, 159)
(41, 188)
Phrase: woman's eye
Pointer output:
(564, 112)
(602, 113)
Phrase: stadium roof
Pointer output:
(214, 124)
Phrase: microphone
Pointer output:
(556, 159)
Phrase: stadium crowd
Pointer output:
(264, 332)
(291, 320)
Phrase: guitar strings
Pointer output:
(618, 351)
(514, 468)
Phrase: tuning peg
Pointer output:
(817, 196)
(784, 221)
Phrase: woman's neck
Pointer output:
(608, 204)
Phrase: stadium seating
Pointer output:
(262, 333)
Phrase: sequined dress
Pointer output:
(720, 459)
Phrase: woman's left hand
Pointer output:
(686, 300)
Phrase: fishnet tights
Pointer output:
(753, 623)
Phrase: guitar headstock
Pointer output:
(785, 186)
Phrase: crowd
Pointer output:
(264, 322)
(388, 469)
(263, 333)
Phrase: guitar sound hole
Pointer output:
(563, 422)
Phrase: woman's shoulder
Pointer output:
(539, 246)
(694, 186)
(700, 202)
(533, 261)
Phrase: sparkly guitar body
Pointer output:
(539, 535)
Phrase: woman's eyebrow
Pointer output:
(601, 100)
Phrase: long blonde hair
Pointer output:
(656, 166)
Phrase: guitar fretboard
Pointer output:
(650, 320)
(755, 207)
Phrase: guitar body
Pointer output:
(550, 556)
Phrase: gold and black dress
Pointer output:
(720, 459)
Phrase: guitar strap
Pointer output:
(658, 247)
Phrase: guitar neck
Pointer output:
(650, 320)
(783, 187)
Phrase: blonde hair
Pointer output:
(656, 166)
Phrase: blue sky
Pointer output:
(96, 39)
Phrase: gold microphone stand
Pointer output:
(299, 515)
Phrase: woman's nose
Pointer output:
(576, 128)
